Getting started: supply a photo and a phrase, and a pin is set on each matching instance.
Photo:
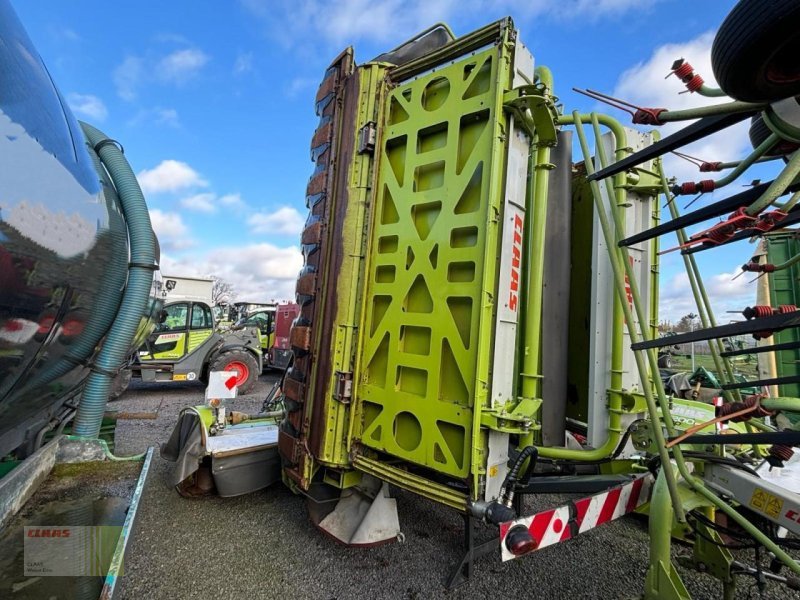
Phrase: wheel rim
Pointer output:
(241, 370)
(782, 69)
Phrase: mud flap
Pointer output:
(362, 518)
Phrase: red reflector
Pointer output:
(230, 383)
(519, 541)
(13, 325)
(46, 324)
(72, 327)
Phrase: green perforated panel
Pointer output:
(431, 261)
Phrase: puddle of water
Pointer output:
(14, 585)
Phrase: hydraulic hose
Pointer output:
(137, 291)
(512, 476)
(108, 294)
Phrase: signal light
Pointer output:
(519, 541)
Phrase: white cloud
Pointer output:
(65, 33)
(208, 202)
(172, 232)
(725, 294)
(127, 76)
(88, 105)
(157, 115)
(170, 176)
(181, 65)
(204, 203)
(644, 85)
(284, 221)
(258, 272)
(299, 85)
(348, 21)
(167, 116)
(243, 63)
(232, 200)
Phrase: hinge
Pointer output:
(343, 390)
(366, 138)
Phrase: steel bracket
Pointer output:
(343, 390)
(520, 420)
(535, 111)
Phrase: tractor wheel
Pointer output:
(119, 384)
(665, 361)
(240, 362)
(754, 54)
(760, 132)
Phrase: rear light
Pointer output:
(519, 540)
(46, 324)
(72, 327)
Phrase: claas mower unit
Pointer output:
(478, 312)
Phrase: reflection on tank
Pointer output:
(63, 246)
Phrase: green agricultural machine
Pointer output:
(479, 308)
(187, 344)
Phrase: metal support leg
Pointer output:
(463, 570)
(663, 582)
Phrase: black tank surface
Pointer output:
(63, 245)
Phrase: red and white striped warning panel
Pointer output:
(566, 522)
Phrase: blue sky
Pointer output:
(213, 103)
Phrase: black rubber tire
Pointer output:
(754, 54)
(119, 384)
(665, 361)
(760, 132)
(243, 356)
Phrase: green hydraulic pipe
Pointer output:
(619, 277)
(730, 165)
(694, 483)
(745, 164)
(777, 187)
(698, 290)
(729, 108)
(544, 76)
(710, 92)
(617, 348)
(531, 378)
(791, 203)
(781, 403)
(785, 265)
(761, 426)
(691, 480)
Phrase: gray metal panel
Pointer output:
(555, 328)
(503, 369)
(246, 472)
(637, 218)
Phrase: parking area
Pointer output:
(262, 545)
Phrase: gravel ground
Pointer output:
(262, 545)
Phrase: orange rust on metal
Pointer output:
(300, 338)
(294, 390)
(327, 86)
(133, 416)
(295, 418)
(312, 233)
(288, 446)
(293, 441)
(306, 284)
(335, 216)
(317, 183)
(322, 135)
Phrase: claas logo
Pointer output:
(516, 259)
(48, 532)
